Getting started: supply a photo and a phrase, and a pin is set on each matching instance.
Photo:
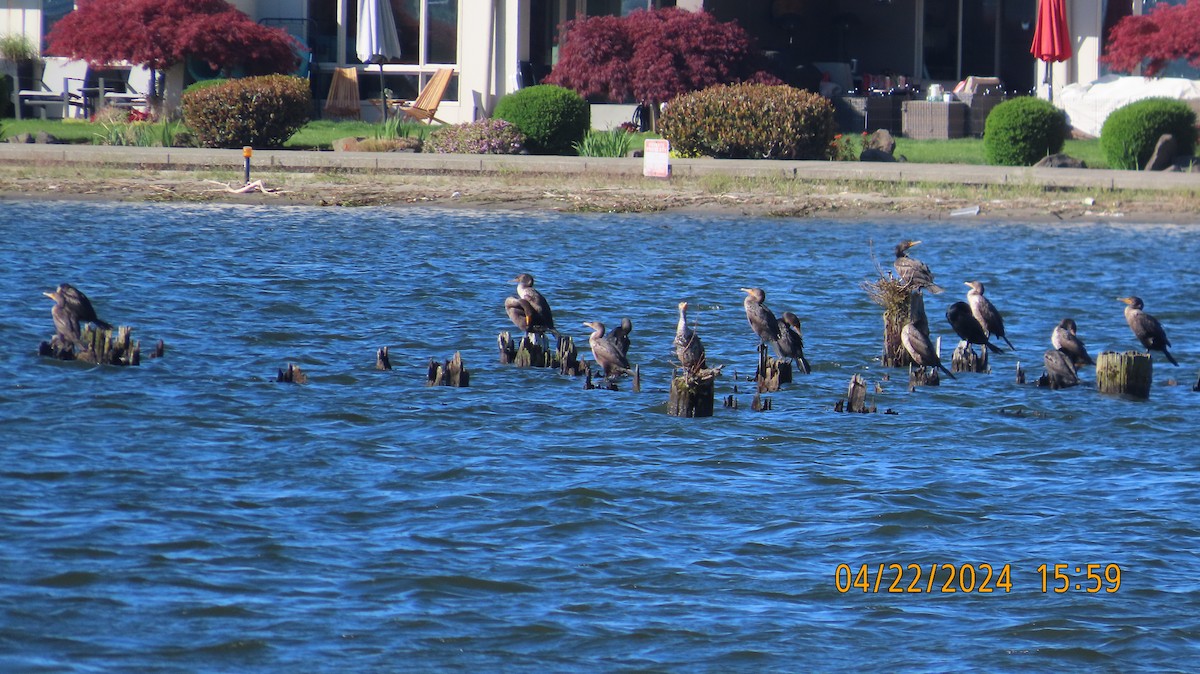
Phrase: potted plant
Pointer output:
(20, 50)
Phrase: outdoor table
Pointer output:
(934, 119)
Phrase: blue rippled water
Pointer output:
(192, 514)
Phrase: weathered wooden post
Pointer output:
(893, 295)
(508, 350)
(964, 359)
(771, 373)
(292, 375)
(451, 373)
(567, 358)
(692, 394)
(1128, 373)
(382, 362)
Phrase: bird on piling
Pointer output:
(911, 270)
(1146, 327)
(986, 313)
(921, 349)
(1064, 339)
(791, 341)
(688, 347)
(605, 353)
(762, 321)
(542, 319)
(619, 335)
(66, 320)
(967, 327)
(520, 312)
(80, 305)
(1060, 370)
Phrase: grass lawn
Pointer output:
(320, 134)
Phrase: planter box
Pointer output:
(926, 120)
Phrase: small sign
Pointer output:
(656, 158)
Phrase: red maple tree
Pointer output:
(161, 33)
(1154, 39)
(651, 56)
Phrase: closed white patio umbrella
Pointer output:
(378, 41)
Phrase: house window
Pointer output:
(428, 31)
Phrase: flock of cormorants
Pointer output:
(975, 321)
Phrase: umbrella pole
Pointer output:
(383, 92)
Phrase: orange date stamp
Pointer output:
(971, 578)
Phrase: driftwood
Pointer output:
(255, 186)
(964, 359)
(1128, 373)
(101, 347)
(771, 373)
(382, 362)
(692, 394)
(450, 373)
(292, 375)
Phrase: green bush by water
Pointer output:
(750, 121)
(551, 117)
(1021, 131)
(1130, 133)
(261, 112)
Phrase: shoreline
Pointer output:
(581, 185)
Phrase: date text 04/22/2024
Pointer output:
(980, 578)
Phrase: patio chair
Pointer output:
(425, 106)
(343, 99)
(137, 90)
(61, 86)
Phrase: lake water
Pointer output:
(193, 515)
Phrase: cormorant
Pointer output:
(791, 341)
(1060, 371)
(1146, 327)
(921, 349)
(521, 312)
(620, 335)
(986, 313)
(967, 328)
(542, 320)
(688, 347)
(911, 270)
(1063, 339)
(604, 352)
(66, 321)
(762, 321)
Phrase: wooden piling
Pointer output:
(508, 350)
(101, 347)
(382, 362)
(894, 296)
(771, 373)
(760, 404)
(292, 375)
(450, 373)
(566, 357)
(692, 394)
(964, 359)
(1128, 373)
(923, 376)
(1020, 373)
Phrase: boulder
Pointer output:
(1163, 156)
(881, 140)
(1060, 161)
(876, 155)
(43, 138)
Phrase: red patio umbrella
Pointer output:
(1051, 37)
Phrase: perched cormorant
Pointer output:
(921, 350)
(791, 341)
(521, 312)
(542, 320)
(1059, 369)
(762, 321)
(1146, 327)
(604, 352)
(1064, 339)
(688, 347)
(986, 313)
(911, 270)
(66, 321)
(620, 335)
(80, 305)
(967, 328)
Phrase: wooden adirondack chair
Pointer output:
(425, 106)
(342, 100)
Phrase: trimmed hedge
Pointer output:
(1021, 131)
(258, 111)
(551, 117)
(1131, 132)
(484, 136)
(750, 121)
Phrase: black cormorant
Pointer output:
(620, 335)
(66, 321)
(986, 313)
(921, 349)
(521, 312)
(688, 347)
(967, 327)
(762, 321)
(604, 352)
(1064, 339)
(791, 341)
(1146, 327)
(911, 270)
(1060, 371)
(542, 320)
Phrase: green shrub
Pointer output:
(612, 143)
(551, 117)
(484, 136)
(1021, 131)
(1130, 133)
(257, 111)
(750, 121)
(204, 84)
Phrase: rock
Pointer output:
(875, 154)
(1164, 153)
(43, 138)
(1060, 161)
(20, 138)
(881, 140)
